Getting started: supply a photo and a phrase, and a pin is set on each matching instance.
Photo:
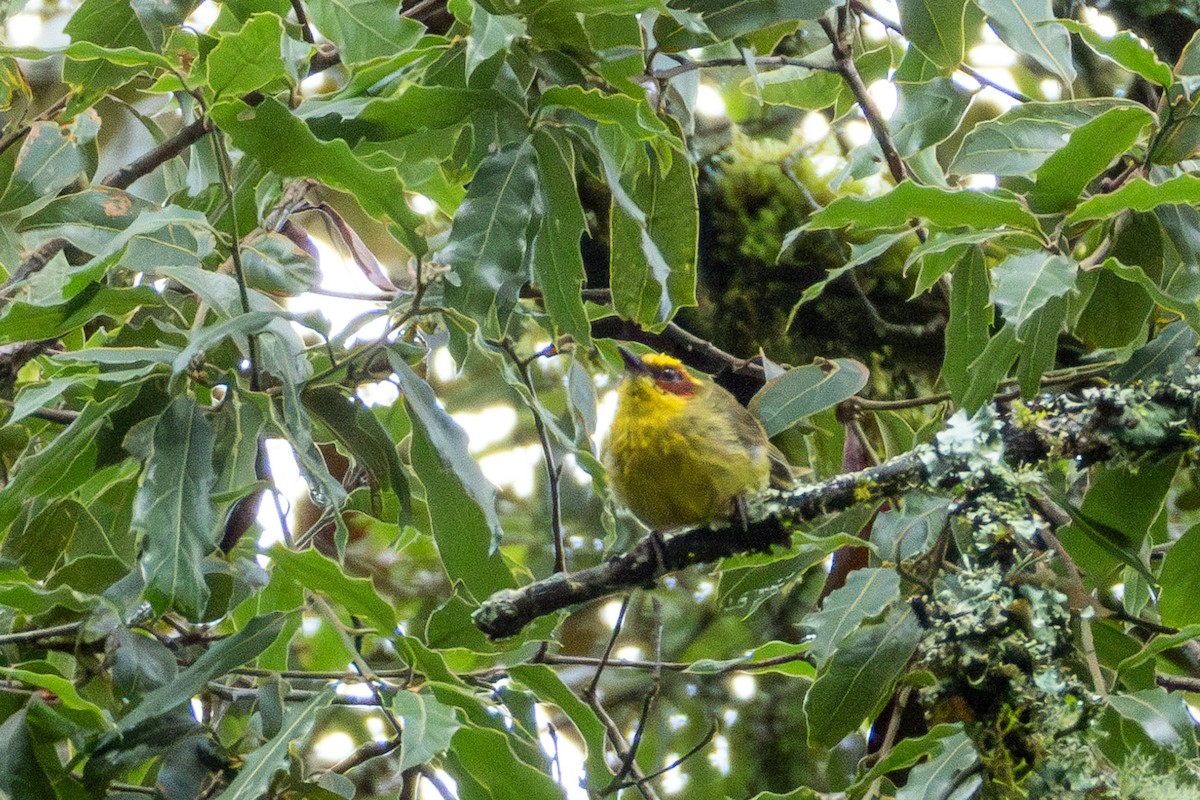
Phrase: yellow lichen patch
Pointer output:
(862, 493)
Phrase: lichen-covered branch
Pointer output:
(1096, 424)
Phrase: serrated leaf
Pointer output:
(247, 60)
(429, 727)
(1124, 48)
(557, 261)
(258, 131)
(320, 574)
(860, 676)
(947, 208)
(803, 391)
(361, 433)
(259, 766)
(1027, 27)
(1184, 306)
(174, 512)
(1139, 194)
(654, 230)
(66, 693)
(364, 29)
(1024, 282)
(32, 321)
(486, 248)
(490, 33)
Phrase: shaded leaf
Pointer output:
(320, 574)
(260, 766)
(429, 727)
(803, 391)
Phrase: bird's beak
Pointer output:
(633, 364)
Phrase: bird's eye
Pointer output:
(670, 375)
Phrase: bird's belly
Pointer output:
(671, 479)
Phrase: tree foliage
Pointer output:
(1000, 279)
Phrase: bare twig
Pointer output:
(687, 65)
(364, 754)
(630, 756)
(590, 691)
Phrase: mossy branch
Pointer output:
(1110, 423)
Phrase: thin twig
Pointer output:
(844, 60)
(364, 754)
(696, 748)
(22, 130)
(1178, 683)
(618, 741)
(36, 634)
(302, 19)
(429, 774)
(553, 470)
(170, 147)
(687, 65)
(630, 757)
(590, 691)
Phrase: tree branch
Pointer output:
(1094, 425)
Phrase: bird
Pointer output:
(682, 451)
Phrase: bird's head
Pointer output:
(658, 372)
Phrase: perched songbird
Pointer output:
(684, 451)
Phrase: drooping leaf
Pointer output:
(487, 244)
(462, 504)
(429, 727)
(1125, 49)
(1160, 355)
(557, 260)
(174, 512)
(967, 331)
(859, 678)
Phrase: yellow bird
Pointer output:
(684, 451)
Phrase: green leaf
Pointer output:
(274, 264)
(549, 688)
(1025, 26)
(1018, 141)
(1125, 49)
(364, 29)
(51, 158)
(867, 593)
(635, 117)
(989, 368)
(320, 574)
(361, 433)
(174, 512)
(1184, 306)
(901, 534)
(1094, 145)
(429, 726)
(66, 462)
(967, 331)
(927, 113)
(1039, 344)
(1139, 195)
(652, 259)
(1161, 355)
(1161, 715)
(800, 87)
(859, 678)
(1179, 603)
(908, 752)
(1027, 281)
(258, 131)
(462, 503)
(21, 593)
(557, 261)
(937, 29)
(259, 766)
(947, 208)
(226, 654)
(249, 59)
(107, 24)
(490, 33)
(66, 693)
(485, 758)
(29, 321)
(804, 391)
(948, 774)
(486, 248)
(1160, 644)
(88, 218)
